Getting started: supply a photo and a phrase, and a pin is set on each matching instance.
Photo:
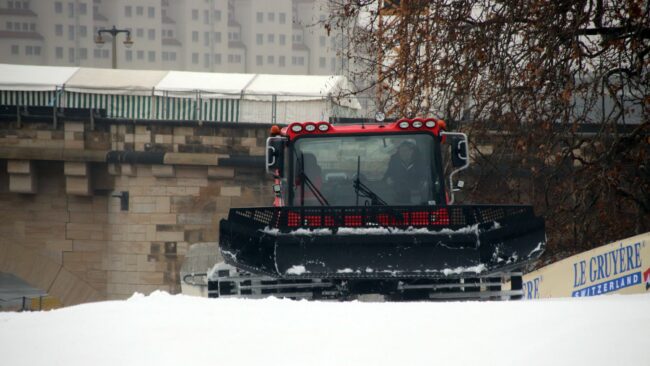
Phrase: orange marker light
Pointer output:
(275, 130)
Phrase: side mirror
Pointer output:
(458, 152)
(275, 155)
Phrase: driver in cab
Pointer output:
(406, 174)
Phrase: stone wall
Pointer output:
(64, 203)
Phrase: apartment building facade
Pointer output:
(246, 36)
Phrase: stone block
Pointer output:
(20, 166)
(22, 183)
(170, 236)
(74, 145)
(128, 170)
(231, 191)
(191, 172)
(194, 219)
(75, 168)
(163, 204)
(192, 182)
(257, 151)
(163, 218)
(248, 141)
(150, 278)
(88, 245)
(163, 171)
(44, 135)
(73, 126)
(142, 138)
(217, 172)
(78, 185)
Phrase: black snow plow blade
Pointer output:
(381, 242)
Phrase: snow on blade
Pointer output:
(473, 229)
(296, 270)
(161, 329)
(475, 269)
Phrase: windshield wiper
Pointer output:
(304, 179)
(363, 190)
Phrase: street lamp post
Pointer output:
(99, 40)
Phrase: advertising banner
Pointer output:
(622, 267)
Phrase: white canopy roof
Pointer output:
(114, 81)
(300, 88)
(215, 85)
(34, 78)
(253, 87)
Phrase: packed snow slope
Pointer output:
(162, 329)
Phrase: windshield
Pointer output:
(366, 170)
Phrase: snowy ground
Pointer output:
(161, 329)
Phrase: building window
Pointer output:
(206, 17)
(322, 63)
(83, 54)
(206, 60)
(216, 58)
(260, 17)
(71, 32)
(217, 15)
(195, 36)
(139, 33)
(37, 50)
(206, 38)
(129, 55)
(25, 27)
(195, 58)
(82, 9)
(127, 11)
(322, 41)
(270, 38)
(140, 55)
(58, 29)
(270, 17)
(10, 26)
(259, 39)
(259, 60)
(29, 50)
(83, 31)
(152, 34)
(58, 52)
(283, 39)
(58, 7)
(270, 60)
(71, 55)
(70, 10)
(32, 27)
(217, 37)
(152, 56)
(165, 56)
(282, 18)
(195, 14)
(151, 12)
(139, 11)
